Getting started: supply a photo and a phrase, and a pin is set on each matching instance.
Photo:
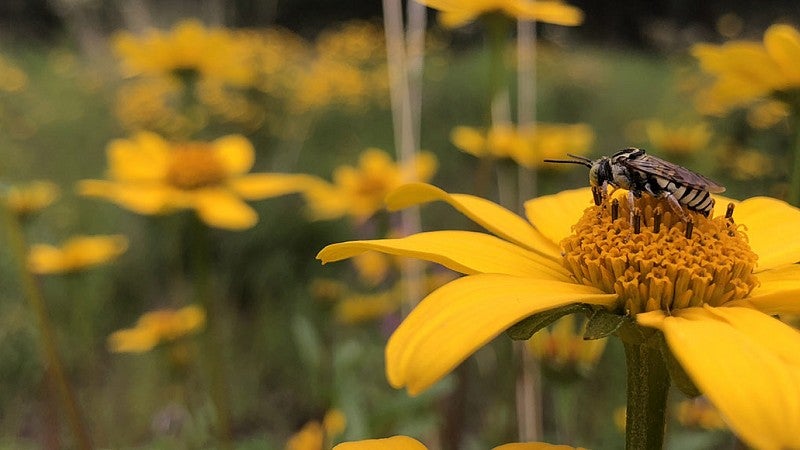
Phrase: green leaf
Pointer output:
(525, 328)
(601, 324)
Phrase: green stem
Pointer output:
(648, 388)
(55, 367)
(794, 178)
(497, 29)
(566, 406)
(213, 335)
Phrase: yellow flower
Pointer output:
(527, 147)
(456, 13)
(150, 175)
(678, 140)
(314, 435)
(767, 114)
(77, 253)
(562, 349)
(747, 71)
(25, 200)
(359, 192)
(356, 309)
(156, 327)
(698, 413)
(407, 443)
(189, 48)
(705, 293)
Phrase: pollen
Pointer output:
(194, 165)
(655, 260)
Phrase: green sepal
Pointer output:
(602, 323)
(525, 328)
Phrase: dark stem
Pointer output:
(648, 388)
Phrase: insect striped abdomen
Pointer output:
(692, 198)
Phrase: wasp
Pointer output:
(633, 169)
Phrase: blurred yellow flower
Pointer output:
(570, 253)
(359, 191)
(699, 413)
(25, 200)
(317, 436)
(768, 113)
(357, 309)
(456, 13)
(745, 71)
(156, 327)
(678, 140)
(372, 267)
(150, 175)
(188, 49)
(407, 443)
(527, 147)
(748, 164)
(562, 349)
(149, 104)
(77, 253)
(12, 78)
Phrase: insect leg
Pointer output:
(631, 204)
(675, 205)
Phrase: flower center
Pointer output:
(654, 259)
(194, 165)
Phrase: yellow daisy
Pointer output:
(156, 327)
(705, 293)
(149, 175)
(407, 443)
(77, 253)
(456, 13)
(28, 199)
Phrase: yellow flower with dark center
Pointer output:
(77, 253)
(188, 49)
(407, 443)
(746, 71)
(317, 436)
(456, 13)
(26, 200)
(156, 327)
(711, 291)
(359, 192)
(678, 140)
(563, 350)
(150, 175)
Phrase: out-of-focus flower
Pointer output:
(12, 78)
(372, 267)
(578, 254)
(528, 147)
(407, 443)
(77, 253)
(745, 71)
(356, 309)
(767, 114)
(456, 13)
(748, 164)
(359, 191)
(150, 175)
(317, 436)
(28, 199)
(563, 351)
(156, 327)
(699, 413)
(678, 140)
(150, 104)
(189, 49)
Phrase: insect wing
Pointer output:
(673, 172)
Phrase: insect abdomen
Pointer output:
(692, 198)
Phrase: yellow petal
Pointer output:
(460, 317)
(142, 158)
(778, 292)
(392, 443)
(455, 19)
(535, 446)
(469, 140)
(489, 215)
(132, 340)
(265, 185)
(466, 252)
(554, 12)
(235, 153)
(770, 225)
(222, 209)
(782, 43)
(139, 198)
(77, 253)
(554, 215)
(745, 363)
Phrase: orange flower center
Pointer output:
(654, 259)
(194, 165)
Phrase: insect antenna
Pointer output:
(577, 160)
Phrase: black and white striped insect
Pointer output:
(639, 173)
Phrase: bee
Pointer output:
(634, 170)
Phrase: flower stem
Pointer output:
(55, 367)
(648, 388)
(213, 359)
